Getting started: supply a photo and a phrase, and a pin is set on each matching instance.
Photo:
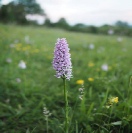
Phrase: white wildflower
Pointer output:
(22, 64)
(8, 60)
(12, 45)
(18, 80)
(110, 32)
(119, 39)
(27, 39)
(104, 67)
(91, 46)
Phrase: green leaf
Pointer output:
(116, 123)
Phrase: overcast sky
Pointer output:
(95, 12)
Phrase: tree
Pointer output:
(30, 6)
(92, 29)
(78, 27)
(17, 10)
(121, 24)
(47, 22)
(62, 23)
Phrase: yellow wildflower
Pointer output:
(90, 79)
(80, 82)
(113, 100)
(110, 68)
(18, 48)
(18, 45)
(36, 50)
(24, 48)
(90, 64)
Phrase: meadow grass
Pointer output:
(25, 92)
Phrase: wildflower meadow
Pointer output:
(56, 81)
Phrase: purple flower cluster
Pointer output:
(62, 61)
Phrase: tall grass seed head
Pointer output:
(62, 60)
(81, 90)
(46, 113)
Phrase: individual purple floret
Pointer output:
(62, 61)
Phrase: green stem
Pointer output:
(47, 124)
(129, 99)
(66, 106)
(129, 87)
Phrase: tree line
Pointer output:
(119, 28)
(17, 10)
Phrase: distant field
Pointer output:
(25, 90)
